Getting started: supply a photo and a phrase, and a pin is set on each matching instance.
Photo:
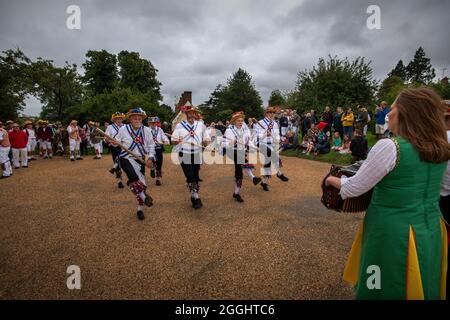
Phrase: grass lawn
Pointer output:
(331, 157)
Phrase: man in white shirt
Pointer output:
(160, 139)
(238, 141)
(112, 130)
(31, 146)
(190, 135)
(138, 139)
(5, 147)
(74, 140)
(267, 136)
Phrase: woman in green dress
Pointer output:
(400, 251)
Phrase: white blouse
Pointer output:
(380, 161)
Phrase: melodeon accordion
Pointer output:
(331, 197)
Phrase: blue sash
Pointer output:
(138, 137)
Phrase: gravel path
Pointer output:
(59, 213)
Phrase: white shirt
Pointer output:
(380, 161)
(159, 137)
(265, 125)
(187, 134)
(31, 133)
(234, 134)
(445, 187)
(112, 130)
(146, 148)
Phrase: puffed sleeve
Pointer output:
(380, 161)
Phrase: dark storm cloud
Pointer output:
(198, 44)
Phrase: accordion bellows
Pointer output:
(333, 200)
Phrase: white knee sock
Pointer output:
(250, 173)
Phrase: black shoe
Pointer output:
(256, 180)
(282, 177)
(120, 185)
(148, 200)
(16, 168)
(265, 186)
(238, 197)
(200, 180)
(140, 215)
(152, 173)
(192, 201)
(72, 159)
(24, 166)
(112, 170)
(79, 158)
(5, 177)
(158, 183)
(198, 204)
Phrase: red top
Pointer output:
(18, 139)
(44, 133)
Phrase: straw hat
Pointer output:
(118, 115)
(153, 119)
(188, 107)
(237, 115)
(137, 112)
(271, 110)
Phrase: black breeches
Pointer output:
(114, 152)
(267, 156)
(131, 171)
(239, 158)
(159, 159)
(190, 163)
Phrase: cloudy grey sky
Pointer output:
(198, 44)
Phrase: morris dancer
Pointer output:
(31, 146)
(45, 136)
(112, 130)
(74, 140)
(160, 139)
(237, 142)
(189, 135)
(96, 141)
(5, 147)
(138, 139)
(268, 138)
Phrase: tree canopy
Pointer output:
(335, 82)
(239, 94)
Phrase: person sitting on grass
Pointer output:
(345, 148)
(337, 142)
(359, 146)
(323, 144)
(313, 132)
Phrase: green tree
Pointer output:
(390, 88)
(15, 83)
(239, 94)
(335, 82)
(100, 107)
(419, 70)
(58, 89)
(139, 74)
(399, 71)
(277, 98)
(101, 74)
